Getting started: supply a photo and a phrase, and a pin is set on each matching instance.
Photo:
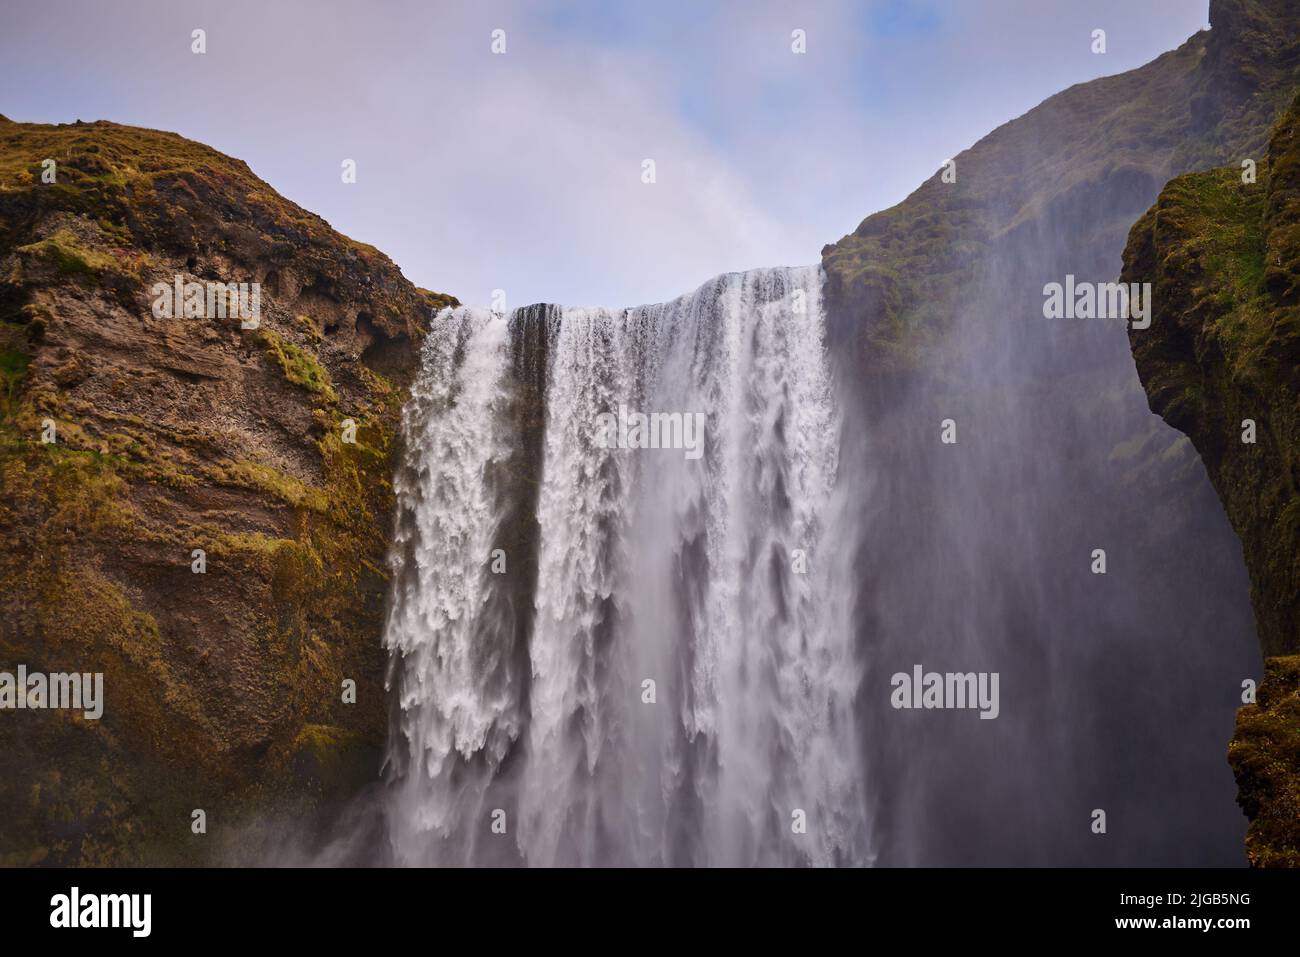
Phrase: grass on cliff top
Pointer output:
(1062, 158)
(1020, 170)
(102, 151)
(1224, 215)
(1221, 235)
(1220, 222)
(103, 167)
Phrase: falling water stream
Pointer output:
(642, 656)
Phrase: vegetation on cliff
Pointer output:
(270, 449)
(939, 299)
(1222, 363)
(1088, 158)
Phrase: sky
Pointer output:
(523, 171)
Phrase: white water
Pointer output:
(648, 566)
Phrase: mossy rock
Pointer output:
(179, 437)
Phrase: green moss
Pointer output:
(221, 542)
(1217, 220)
(60, 594)
(1265, 756)
(13, 367)
(70, 256)
(915, 266)
(265, 478)
(328, 756)
(98, 540)
(309, 327)
(81, 492)
(1224, 257)
(299, 366)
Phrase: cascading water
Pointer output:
(458, 697)
(622, 655)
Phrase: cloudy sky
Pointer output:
(522, 171)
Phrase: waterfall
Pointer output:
(602, 653)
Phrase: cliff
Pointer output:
(1083, 164)
(937, 304)
(1221, 362)
(130, 439)
(223, 688)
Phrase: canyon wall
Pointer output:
(979, 557)
(1221, 363)
(223, 689)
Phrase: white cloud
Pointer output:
(522, 171)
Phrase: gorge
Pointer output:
(565, 651)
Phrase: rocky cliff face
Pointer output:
(129, 440)
(224, 689)
(1084, 164)
(1221, 362)
(939, 302)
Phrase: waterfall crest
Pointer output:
(626, 655)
